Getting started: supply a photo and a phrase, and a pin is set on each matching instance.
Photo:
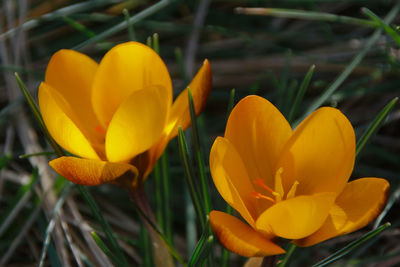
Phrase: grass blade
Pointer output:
(104, 224)
(83, 190)
(23, 195)
(181, 65)
(203, 248)
(199, 157)
(190, 177)
(190, 222)
(225, 257)
(38, 116)
(350, 247)
(29, 98)
(306, 15)
(167, 198)
(224, 260)
(79, 27)
(356, 60)
(158, 185)
(283, 81)
(150, 222)
(106, 250)
(382, 24)
(119, 27)
(156, 43)
(68, 10)
(287, 256)
(52, 223)
(145, 247)
(375, 125)
(131, 31)
(4, 160)
(393, 198)
(231, 103)
(300, 93)
(22, 234)
(44, 153)
(200, 164)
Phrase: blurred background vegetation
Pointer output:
(253, 54)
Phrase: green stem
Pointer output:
(287, 256)
(131, 31)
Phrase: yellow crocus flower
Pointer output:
(288, 184)
(118, 115)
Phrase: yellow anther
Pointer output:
(278, 185)
(292, 191)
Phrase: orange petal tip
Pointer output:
(92, 172)
(240, 238)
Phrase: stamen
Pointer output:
(260, 183)
(278, 185)
(260, 196)
(292, 190)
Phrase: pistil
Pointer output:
(260, 183)
(100, 129)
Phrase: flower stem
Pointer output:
(287, 256)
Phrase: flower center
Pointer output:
(278, 194)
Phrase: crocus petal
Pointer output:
(240, 238)
(54, 109)
(297, 217)
(71, 74)
(137, 124)
(258, 131)
(124, 69)
(180, 113)
(200, 88)
(320, 154)
(230, 178)
(92, 172)
(359, 203)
